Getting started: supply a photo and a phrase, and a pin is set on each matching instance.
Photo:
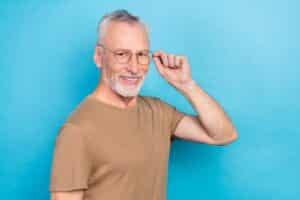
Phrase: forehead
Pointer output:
(126, 36)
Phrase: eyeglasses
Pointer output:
(123, 56)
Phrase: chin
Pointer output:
(123, 90)
(126, 91)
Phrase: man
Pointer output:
(115, 145)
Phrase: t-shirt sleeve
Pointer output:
(172, 116)
(71, 163)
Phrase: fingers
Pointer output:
(167, 60)
(171, 60)
(161, 57)
(158, 63)
(179, 60)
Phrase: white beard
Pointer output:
(122, 90)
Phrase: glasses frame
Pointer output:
(130, 56)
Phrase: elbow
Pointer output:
(233, 137)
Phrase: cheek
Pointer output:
(145, 70)
(112, 67)
(115, 69)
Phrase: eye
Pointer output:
(143, 53)
(122, 53)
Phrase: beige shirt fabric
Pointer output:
(114, 153)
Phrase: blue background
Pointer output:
(245, 54)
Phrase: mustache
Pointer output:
(132, 76)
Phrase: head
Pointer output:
(119, 32)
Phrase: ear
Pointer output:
(98, 57)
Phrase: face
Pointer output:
(124, 79)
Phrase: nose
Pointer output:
(133, 64)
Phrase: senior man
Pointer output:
(115, 144)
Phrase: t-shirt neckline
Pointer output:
(112, 107)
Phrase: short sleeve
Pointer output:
(172, 116)
(71, 163)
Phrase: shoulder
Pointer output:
(80, 117)
(148, 100)
(154, 103)
(158, 105)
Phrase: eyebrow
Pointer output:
(143, 50)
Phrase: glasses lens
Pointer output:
(122, 56)
(144, 58)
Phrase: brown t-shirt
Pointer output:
(114, 153)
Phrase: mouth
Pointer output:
(130, 80)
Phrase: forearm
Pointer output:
(70, 195)
(210, 114)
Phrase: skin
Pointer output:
(120, 36)
(212, 127)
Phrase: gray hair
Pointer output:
(121, 15)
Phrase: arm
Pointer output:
(72, 195)
(71, 164)
(212, 126)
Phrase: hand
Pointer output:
(174, 68)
